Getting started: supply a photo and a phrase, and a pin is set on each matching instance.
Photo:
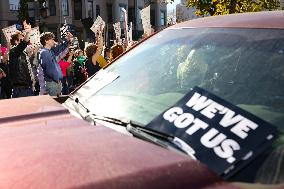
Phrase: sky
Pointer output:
(173, 5)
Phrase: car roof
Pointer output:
(265, 19)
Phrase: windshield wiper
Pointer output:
(138, 130)
(161, 139)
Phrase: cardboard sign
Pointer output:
(219, 134)
(130, 38)
(98, 25)
(35, 37)
(125, 23)
(9, 31)
(64, 30)
(145, 16)
(117, 30)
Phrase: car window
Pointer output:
(242, 66)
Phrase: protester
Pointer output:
(107, 54)
(70, 76)
(115, 51)
(80, 74)
(64, 63)
(6, 87)
(49, 64)
(92, 52)
(20, 68)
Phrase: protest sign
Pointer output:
(9, 31)
(117, 30)
(219, 134)
(64, 30)
(98, 25)
(145, 16)
(130, 38)
(35, 37)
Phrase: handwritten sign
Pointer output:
(117, 30)
(9, 31)
(145, 16)
(35, 37)
(98, 25)
(64, 30)
(130, 38)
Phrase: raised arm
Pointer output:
(61, 47)
(100, 44)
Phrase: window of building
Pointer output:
(109, 13)
(90, 9)
(64, 7)
(14, 5)
(52, 7)
(163, 18)
(78, 9)
(98, 10)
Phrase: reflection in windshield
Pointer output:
(242, 66)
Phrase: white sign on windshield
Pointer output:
(96, 83)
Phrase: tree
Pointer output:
(23, 11)
(219, 7)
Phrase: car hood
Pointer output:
(27, 106)
(43, 146)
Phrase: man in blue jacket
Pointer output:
(49, 63)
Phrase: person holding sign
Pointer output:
(115, 51)
(21, 73)
(92, 52)
(49, 64)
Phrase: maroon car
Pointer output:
(147, 119)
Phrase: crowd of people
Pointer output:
(54, 68)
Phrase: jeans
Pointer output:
(22, 92)
(65, 87)
(53, 88)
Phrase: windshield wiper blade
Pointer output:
(139, 130)
(161, 139)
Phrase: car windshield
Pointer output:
(242, 66)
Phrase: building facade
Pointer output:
(73, 11)
(184, 13)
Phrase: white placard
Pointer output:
(145, 16)
(126, 29)
(63, 30)
(117, 30)
(130, 32)
(9, 31)
(86, 44)
(35, 37)
(98, 25)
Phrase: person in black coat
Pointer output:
(20, 68)
(6, 87)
